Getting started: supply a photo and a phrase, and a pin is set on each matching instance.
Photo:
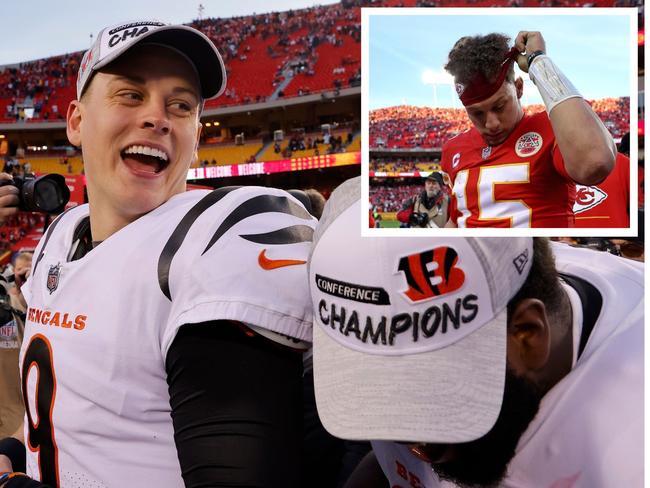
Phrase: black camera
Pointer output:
(46, 194)
(419, 219)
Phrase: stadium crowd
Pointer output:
(33, 84)
(318, 46)
(400, 165)
(406, 126)
(390, 196)
(17, 227)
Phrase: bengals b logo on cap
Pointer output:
(431, 274)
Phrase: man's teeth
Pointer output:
(147, 151)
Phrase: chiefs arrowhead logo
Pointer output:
(588, 197)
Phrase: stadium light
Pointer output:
(436, 78)
(431, 77)
(216, 124)
(208, 124)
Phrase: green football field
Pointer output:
(388, 224)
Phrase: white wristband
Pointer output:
(553, 86)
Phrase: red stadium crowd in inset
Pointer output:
(389, 198)
(404, 165)
(407, 127)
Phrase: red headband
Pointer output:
(479, 88)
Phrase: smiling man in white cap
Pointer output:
(491, 361)
(164, 329)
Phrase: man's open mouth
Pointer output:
(145, 159)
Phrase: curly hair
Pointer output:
(472, 55)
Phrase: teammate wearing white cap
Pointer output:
(163, 326)
(492, 361)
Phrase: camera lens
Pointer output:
(47, 195)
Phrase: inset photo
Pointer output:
(499, 118)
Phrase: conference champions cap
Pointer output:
(195, 46)
(409, 333)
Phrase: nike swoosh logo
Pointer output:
(268, 264)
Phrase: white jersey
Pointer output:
(98, 328)
(588, 432)
(403, 469)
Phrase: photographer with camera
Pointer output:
(45, 193)
(430, 208)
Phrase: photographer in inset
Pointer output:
(430, 208)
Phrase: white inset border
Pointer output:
(368, 13)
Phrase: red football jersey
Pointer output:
(606, 204)
(519, 183)
(641, 171)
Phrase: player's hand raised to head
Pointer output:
(527, 43)
(8, 198)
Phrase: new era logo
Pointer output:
(520, 261)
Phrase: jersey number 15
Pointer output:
(489, 208)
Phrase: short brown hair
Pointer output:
(473, 55)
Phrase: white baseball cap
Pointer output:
(196, 47)
(410, 332)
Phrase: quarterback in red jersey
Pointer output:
(512, 169)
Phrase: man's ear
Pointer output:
(529, 337)
(73, 123)
(519, 86)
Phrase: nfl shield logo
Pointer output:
(486, 152)
(53, 278)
